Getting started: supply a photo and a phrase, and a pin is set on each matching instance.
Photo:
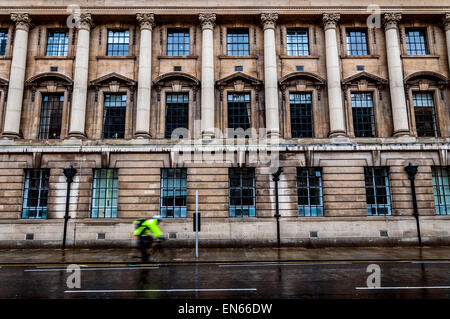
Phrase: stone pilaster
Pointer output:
(17, 75)
(268, 21)
(446, 25)
(80, 83)
(397, 89)
(146, 24)
(207, 21)
(335, 105)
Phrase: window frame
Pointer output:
(348, 44)
(441, 190)
(434, 114)
(66, 42)
(61, 103)
(319, 208)
(374, 186)
(306, 29)
(166, 110)
(124, 116)
(229, 51)
(182, 209)
(426, 42)
(6, 32)
(119, 51)
(311, 94)
(179, 30)
(372, 115)
(40, 210)
(114, 191)
(249, 108)
(251, 209)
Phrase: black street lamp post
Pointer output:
(69, 173)
(276, 178)
(412, 171)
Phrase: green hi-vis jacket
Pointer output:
(147, 227)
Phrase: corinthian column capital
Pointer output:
(330, 20)
(85, 21)
(268, 20)
(391, 19)
(146, 20)
(446, 21)
(22, 21)
(207, 20)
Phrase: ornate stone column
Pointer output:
(446, 24)
(207, 21)
(80, 82)
(17, 75)
(268, 21)
(146, 23)
(397, 89)
(335, 106)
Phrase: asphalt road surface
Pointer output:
(306, 280)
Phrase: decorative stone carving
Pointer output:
(268, 20)
(22, 21)
(330, 20)
(85, 21)
(146, 20)
(446, 21)
(391, 19)
(207, 20)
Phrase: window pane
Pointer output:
(416, 42)
(441, 188)
(309, 192)
(424, 114)
(3, 41)
(239, 111)
(363, 115)
(357, 42)
(297, 42)
(57, 42)
(178, 42)
(35, 193)
(118, 42)
(114, 112)
(173, 192)
(238, 42)
(301, 115)
(377, 191)
(177, 112)
(242, 192)
(105, 193)
(51, 115)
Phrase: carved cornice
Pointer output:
(330, 20)
(446, 21)
(146, 20)
(391, 19)
(85, 21)
(268, 20)
(207, 20)
(22, 21)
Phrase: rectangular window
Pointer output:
(51, 115)
(363, 115)
(242, 192)
(424, 114)
(178, 42)
(173, 192)
(416, 41)
(297, 42)
(357, 42)
(35, 194)
(238, 42)
(377, 191)
(441, 187)
(118, 42)
(309, 192)
(105, 193)
(114, 111)
(301, 114)
(239, 111)
(3, 41)
(57, 42)
(177, 112)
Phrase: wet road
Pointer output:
(342, 280)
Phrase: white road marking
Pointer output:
(430, 262)
(91, 268)
(395, 288)
(162, 290)
(301, 264)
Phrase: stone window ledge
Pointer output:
(428, 56)
(169, 57)
(54, 58)
(128, 57)
(360, 57)
(240, 57)
(299, 57)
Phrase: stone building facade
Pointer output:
(341, 98)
